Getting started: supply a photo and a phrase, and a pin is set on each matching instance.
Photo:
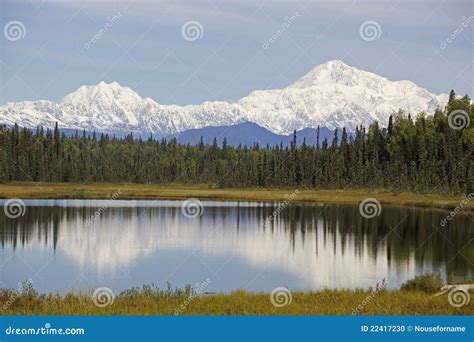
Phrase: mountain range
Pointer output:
(249, 133)
(331, 95)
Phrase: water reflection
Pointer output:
(307, 246)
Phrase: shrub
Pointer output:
(428, 282)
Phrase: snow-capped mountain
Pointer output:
(331, 95)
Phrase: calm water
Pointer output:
(307, 246)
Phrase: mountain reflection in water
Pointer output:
(306, 246)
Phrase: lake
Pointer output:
(79, 245)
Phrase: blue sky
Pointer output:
(141, 45)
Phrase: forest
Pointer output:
(425, 153)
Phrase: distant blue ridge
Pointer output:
(245, 134)
(249, 133)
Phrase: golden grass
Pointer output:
(326, 302)
(26, 190)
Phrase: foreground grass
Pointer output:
(26, 190)
(326, 302)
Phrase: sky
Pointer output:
(188, 52)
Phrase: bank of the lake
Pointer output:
(28, 190)
(326, 302)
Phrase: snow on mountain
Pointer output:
(336, 95)
(331, 95)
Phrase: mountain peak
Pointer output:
(335, 71)
(103, 86)
(112, 85)
(103, 102)
(101, 92)
(335, 63)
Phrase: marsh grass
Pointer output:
(150, 300)
(204, 191)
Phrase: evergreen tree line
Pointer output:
(422, 154)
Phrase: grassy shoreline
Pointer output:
(325, 302)
(30, 190)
